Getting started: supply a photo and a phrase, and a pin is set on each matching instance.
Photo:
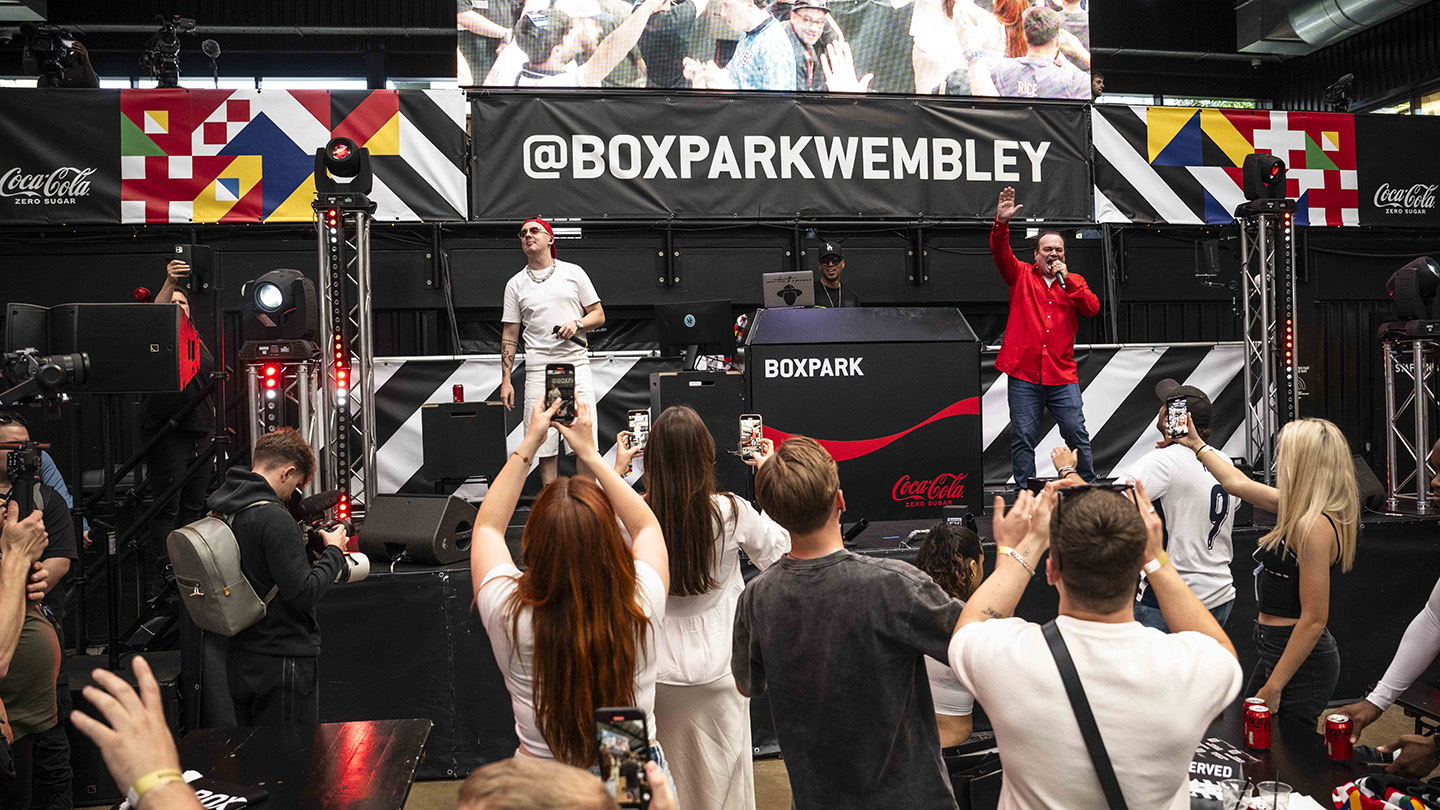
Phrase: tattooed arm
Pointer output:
(509, 345)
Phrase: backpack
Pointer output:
(215, 592)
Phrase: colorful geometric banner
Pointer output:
(1181, 165)
(249, 155)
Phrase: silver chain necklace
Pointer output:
(832, 300)
(540, 279)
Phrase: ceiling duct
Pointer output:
(1298, 27)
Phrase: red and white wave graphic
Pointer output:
(844, 449)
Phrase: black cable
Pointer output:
(450, 300)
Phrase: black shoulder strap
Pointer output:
(1084, 717)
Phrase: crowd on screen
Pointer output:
(1011, 48)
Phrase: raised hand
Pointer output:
(839, 66)
(1006, 209)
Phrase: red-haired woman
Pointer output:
(577, 630)
(704, 720)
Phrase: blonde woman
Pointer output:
(1316, 510)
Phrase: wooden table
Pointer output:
(1296, 757)
(361, 765)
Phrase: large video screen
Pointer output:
(1007, 48)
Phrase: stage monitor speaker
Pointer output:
(426, 529)
(91, 780)
(133, 348)
(1368, 484)
(463, 440)
(719, 398)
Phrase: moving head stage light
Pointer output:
(284, 300)
(1413, 289)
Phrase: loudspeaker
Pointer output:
(719, 398)
(92, 782)
(133, 348)
(462, 440)
(428, 529)
(1368, 483)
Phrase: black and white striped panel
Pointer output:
(404, 384)
(1118, 386)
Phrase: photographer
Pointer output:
(169, 459)
(272, 665)
(28, 690)
(56, 58)
(21, 544)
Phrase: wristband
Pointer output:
(1202, 451)
(149, 782)
(522, 458)
(1064, 471)
(1013, 553)
(1155, 564)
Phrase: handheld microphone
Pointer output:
(1060, 275)
(849, 538)
(576, 339)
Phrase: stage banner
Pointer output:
(782, 156)
(1399, 170)
(1181, 165)
(1117, 384)
(404, 384)
(249, 155)
(53, 167)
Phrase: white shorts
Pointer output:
(535, 391)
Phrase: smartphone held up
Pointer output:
(623, 744)
(752, 430)
(1176, 421)
(560, 384)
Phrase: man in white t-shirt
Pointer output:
(551, 301)
(1152, 694)
(1199, 515)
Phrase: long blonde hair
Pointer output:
(1315, 476)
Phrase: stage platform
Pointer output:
(408, 643)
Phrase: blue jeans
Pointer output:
(1028, 402)
(1151, 616)
(1308, 693)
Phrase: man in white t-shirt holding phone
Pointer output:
(1199, 515)
(552, 302)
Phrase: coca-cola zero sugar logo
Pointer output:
(942, 490)
(62, 186)
(1417, 199)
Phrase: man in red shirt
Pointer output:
(1038, 355)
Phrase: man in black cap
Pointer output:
(1198, 514)
(829, 291)
(809, 20)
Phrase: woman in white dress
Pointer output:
(704, 721)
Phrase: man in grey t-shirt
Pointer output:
(839, 641)
(1041, 72)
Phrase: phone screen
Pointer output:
(560, 384)
(624, 748)
(1175, 409)
(752, 430)
(639, 429)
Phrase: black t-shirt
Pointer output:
(156, 409)
(663, 45)
(57, 523)
(840, 644)
(828, 297)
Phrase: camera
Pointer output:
(49, 53)
(28, 376)
(22, 468)
(357, 565)
(162, 50)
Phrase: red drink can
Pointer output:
(457, 393)
(1254, 701)
(1337, 737)
(1257, 725)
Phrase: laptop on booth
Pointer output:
(788, 290)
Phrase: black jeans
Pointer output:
(272, 690)
(168, 461)
(15, 790)
(1308, 693)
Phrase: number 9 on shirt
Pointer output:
(623, 744)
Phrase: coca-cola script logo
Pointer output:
(1417, 199)
(59, 187)
(942, 489)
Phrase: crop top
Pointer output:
(1277, 580)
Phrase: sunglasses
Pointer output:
(1068, 493)
(831, 261)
